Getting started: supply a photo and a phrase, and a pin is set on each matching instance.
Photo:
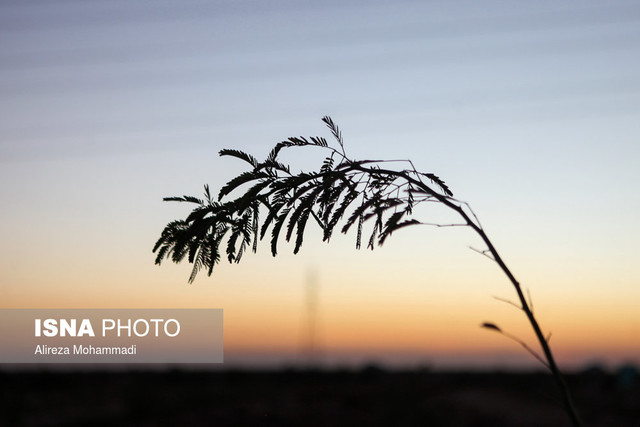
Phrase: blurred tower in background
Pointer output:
(310, 347)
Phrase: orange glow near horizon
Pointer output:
(265, 311)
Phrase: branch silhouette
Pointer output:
(343, 193)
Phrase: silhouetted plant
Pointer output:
(342, 194)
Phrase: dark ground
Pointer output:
(367, 397)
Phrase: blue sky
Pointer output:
(529, 110)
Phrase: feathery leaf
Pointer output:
(243, 178)
(276, 230)
(334, 129)
(240, 155)
(189, 199)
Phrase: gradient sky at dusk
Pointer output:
(530, 111)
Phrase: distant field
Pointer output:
(370, 396)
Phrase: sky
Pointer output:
(528, 110)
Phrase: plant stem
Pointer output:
(450, 203)
(553, 367)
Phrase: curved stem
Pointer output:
(544, 344)
(553, 367)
